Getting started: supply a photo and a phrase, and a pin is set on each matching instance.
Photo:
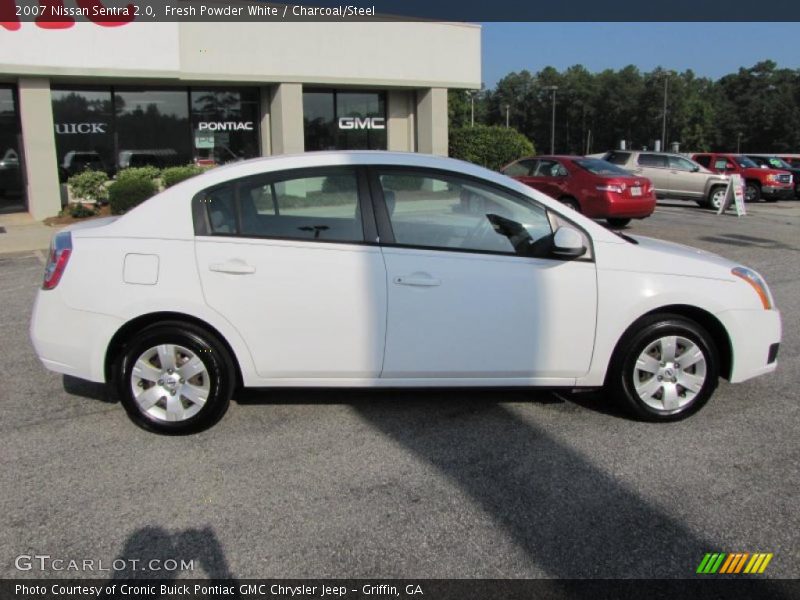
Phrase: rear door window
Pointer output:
(653, 160)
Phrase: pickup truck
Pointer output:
(771, 161)
(770, 184)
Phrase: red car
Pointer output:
(591, 186)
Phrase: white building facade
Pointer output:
(103, 97)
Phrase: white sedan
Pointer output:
(377, 269)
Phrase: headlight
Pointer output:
(755, 281)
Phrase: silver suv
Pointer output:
(673, 175)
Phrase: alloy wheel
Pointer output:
(669, 373)
(170, 383)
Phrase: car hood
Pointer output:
(669, 257)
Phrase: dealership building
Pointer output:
(94, 96)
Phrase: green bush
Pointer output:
(78, 210)
(173, 175)
(89, 186)
(126, 193)
(339, 183)
(491, 147)
(148, 172)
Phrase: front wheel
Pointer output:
(717, 197)
(617, 221)
(665, 369)
(174, 378)
(752, 192)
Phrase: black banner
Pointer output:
(120, 11)
(386, 589)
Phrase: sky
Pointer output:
(709, 49)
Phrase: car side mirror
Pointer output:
(695, 169)
(764, 167)
(568, 243)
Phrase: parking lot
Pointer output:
(436, 484)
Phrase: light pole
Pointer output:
(552, 88)
(664, 116)
(508, 106)
(739, 143)
(471, 94)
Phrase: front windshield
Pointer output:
(600, 167)
(778, 163)
(745, 162)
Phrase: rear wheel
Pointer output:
(752, 192)
(571, 203)
(664, 369)
(617, 222)
(174, 378)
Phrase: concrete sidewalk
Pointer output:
(23, 234)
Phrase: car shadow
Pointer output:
(88, 389)
(155, 553)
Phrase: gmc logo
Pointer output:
(52, 14)
(359, 123)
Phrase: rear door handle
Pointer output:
(417, 280)
(235, 267)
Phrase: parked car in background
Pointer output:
(158, 158)
(386, 270)
(769, 184)
(76, 161)
(590, 186)
(769, 161)
(674, 176)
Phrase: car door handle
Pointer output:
(418, 280)
(235, 267)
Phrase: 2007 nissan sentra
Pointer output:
(377, 269)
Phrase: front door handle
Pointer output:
(417, 280)
(235, 267)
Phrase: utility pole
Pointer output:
(739, 143)
(508, 106)
(552, 88)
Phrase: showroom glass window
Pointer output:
(12, 190)
(83, 120)
(224, 125)
(152, 128)
(344, 120)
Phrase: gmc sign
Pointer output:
(359, 123)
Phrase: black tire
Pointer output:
(645, 332)
(752, 191)
(617, 221)
(571, 203)
(203, 345)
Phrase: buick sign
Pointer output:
(76, 128)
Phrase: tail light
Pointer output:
(617, 188)
(60, 251)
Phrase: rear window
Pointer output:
(617, 158)
(600, 167)
(703, 160)
(744, 162)
(653, 160)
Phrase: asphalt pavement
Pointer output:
(499, 484)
